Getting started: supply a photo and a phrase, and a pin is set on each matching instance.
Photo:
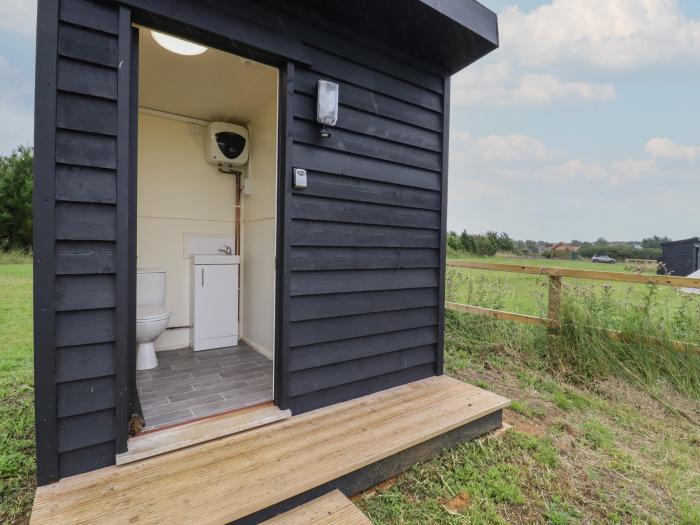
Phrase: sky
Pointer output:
(585, 123)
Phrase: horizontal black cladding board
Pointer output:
(366, 146)
(306, 81)
(84, 78)
(85, 396)
(331, 396)
(314, 379)
(85, 257)
(363, 190)
(312, 356)
(319, 233)
(84, 327)
(339, 210)
(339, 163)
(84, 362)
(84, 184)
(368, 124)
(359, 75)
(86, 113)
(85, 222)
(345, 281)
(86, 459)
(90, 14)
(84, 292)
(313, 258)
(336, 305)
(86, 149)
(303, 333)
(84, 430)
(87, 45)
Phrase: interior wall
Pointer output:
(258, 234)
(178, 194)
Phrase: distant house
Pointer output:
(562, 250)
(681, 258)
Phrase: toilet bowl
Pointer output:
(151, 316)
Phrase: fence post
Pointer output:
(554, 305)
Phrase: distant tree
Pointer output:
(16, 190)
(453, 241)
(654, 242)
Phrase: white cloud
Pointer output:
(665, 148)
(515, 148)
(497, 85)
(558, 52)
(18, 16)
(618, 35)
(552, 196)
(519, 157)
(502, 150)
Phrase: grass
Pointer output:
(604, 432)
(583, 352)
(588, 446)
(15, 257)
(606, 452)
(527, 294)
(16, 393)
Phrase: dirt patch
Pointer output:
(458, 503)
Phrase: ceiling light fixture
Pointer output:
(177, 45)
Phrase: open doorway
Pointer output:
(206, 232)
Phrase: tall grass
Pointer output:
(582, 351)
(15, 257)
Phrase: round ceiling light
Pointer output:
(177, 45)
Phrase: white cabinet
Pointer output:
(214, 302)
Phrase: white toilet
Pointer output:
(151, 315)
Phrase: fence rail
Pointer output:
(554, 304)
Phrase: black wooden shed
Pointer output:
(681, 258)
(360, 251)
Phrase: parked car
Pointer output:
(603, 259)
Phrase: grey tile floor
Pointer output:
(188, 385)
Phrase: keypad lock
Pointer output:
(299, 178)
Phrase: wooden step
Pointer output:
(233, 477)
(331, 509)
(157, 442)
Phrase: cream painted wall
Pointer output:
(258, 232)
(178, 193)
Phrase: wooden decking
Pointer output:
(236, 476)
(331, 509)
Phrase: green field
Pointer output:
(16, 392)
(527, 294)
(603, 450)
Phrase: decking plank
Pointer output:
(331, 509)
(158, 442)
(230, 478)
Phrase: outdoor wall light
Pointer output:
(327, 106)
(177, 45)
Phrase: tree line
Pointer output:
(16, 194)
(487, 244)
(491, 243)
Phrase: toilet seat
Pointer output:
(149, 314)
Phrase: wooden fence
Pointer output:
(644, 265)
(556, 275)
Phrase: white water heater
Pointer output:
(227, 144)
